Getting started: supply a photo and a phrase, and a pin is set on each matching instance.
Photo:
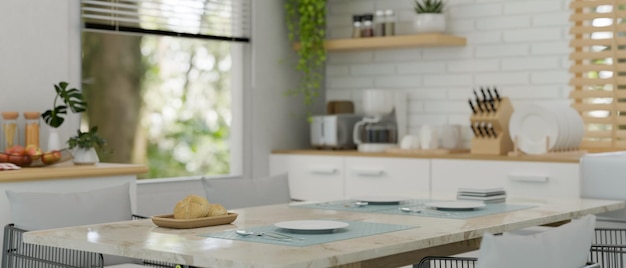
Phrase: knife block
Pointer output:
(501, 144)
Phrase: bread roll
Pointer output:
(193, 206)
(217, 210)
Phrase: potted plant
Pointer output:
(429, 16)
(70, 98)
(306, 23)
(84, 145)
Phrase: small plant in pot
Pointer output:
(83, 146)
(70, 98)
(430, 17)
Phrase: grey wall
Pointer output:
(40, 46)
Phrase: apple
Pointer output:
(20, 160)
(33, 151)
(16, 150)
(4, 158)
(51, 157)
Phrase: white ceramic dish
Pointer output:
(531, 124)
(455, 205)
(381, 200)
(311, 225)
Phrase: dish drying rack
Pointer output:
(549, 152)
(490, 126)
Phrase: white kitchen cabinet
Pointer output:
(384, 176)
(311, 178)
(518, 178)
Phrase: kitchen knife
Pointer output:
(490, 95)
(478, 101)
(480, 131)
(495, 90)
(482, 91)
(474, 130)
(493, 131)
(486, 130)
(472, 106)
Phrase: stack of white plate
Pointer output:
(531, 124)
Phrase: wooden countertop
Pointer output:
(556, 157)
(67, 170)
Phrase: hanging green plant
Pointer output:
(306, 23)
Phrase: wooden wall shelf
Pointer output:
(417, 40)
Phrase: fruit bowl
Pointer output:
(35, 160)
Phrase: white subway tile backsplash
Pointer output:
(550, 48)
(349, 57)
(498, 23)
(530, 63)
(522, 47)
(398, 81)
(443, 80)
(350, 82)
(421, 67)
(473, 65)
(337, 70)
(551, 19)
(372, 69)
(531, 7)
(502, 78)
(397, 55)
(502, 50)
(551, 77)
(475, 10)
(534, 34)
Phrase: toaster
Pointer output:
(333, 131)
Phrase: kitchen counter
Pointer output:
(67, 170)
(555, 157)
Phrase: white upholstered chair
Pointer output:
(235, 193)
(36, 211)
(566, 246)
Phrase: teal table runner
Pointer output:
(356, 229)
(350, 205)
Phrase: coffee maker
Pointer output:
(384, 123)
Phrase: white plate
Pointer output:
(531, 124)
(455, 205)
(381, 200)
(312, 225)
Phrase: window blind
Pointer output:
(599, 71)
(210, 19)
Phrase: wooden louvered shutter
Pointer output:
(599, 71)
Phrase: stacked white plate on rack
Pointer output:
(538, 129)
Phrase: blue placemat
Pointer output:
(350, 205)
(354, 230)
(488, 209)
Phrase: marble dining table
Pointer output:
(422, 236)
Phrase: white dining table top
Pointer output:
(143, 239)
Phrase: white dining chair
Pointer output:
(37, 211)
(235, 193)
(565, 246)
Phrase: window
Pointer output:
(162, 80)
(599, 71)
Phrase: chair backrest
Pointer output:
(37, 210)
(235, 193)
(566, 246)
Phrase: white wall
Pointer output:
(519, 46)
(40, 46)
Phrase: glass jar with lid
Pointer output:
(31, 128)
(9, 129)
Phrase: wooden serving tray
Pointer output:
(168, 221)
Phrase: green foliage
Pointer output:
(429, 6)
(86, 140)
(71, 98)
(306, 23)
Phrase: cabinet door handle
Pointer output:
(323, 171)
(369, 172)
(529, 178)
